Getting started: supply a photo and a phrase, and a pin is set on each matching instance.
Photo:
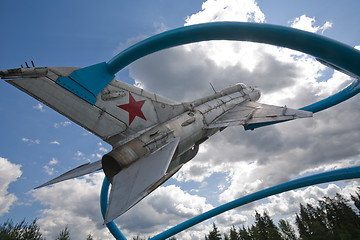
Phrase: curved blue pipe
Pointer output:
(103, 205)
(336, 175)
(328, 51)
(333, 53)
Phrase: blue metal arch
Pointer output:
(333, 53)
(335, 175)
(328, 51)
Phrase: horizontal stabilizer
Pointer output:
(134, 183)
(256, 113)
(76, 172)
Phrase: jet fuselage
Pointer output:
(190, 127)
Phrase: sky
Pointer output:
(37, 144)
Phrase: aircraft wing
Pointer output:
(134, 183)
(257, 114)
(74, 173)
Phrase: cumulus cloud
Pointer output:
(39, 107)
(55, 142)
(227, 10)
(79, 210)
(9, 172)
(308, 24)
(165, 207)
(30, 141)
(62, 124)
(49, 168)
(53, 161)
(271, 155)
(80, 156)
(285, 205)
(73, 203)
(252, 160)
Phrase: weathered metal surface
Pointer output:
(94, 119)
(253, 112)
(135, 182)
(152, 137)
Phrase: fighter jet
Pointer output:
(151, 137)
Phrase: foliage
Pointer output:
(287, 232)
(333, 218)
(214, 234)
(64, 234)
(20, 231)
(89, 237)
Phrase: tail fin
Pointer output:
(118, 111)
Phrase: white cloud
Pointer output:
(55, 142)
(79, 154)
(9, 172)
(166, 206)
(269, 155)
(73, 203)
(227, 10)
(308, 24)
(53, 161)
(49, 170)
(30, 141)
(285, 205)
(62, 124)
(39, 107)
(102, 149)
(252, 160)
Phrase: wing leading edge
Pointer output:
(253, 113)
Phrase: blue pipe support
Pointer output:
(330, 52)
(103, 205)
(331, 176)
(336, 175)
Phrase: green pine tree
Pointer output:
(244, 234)
(288, 233)
(356, 199)
(264, 228)
(89, 237)
(233, 234)
(214, 234)
(64, 234)
(20, 231)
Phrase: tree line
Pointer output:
(332, 218)
(25, 231)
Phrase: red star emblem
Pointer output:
(133, 108)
